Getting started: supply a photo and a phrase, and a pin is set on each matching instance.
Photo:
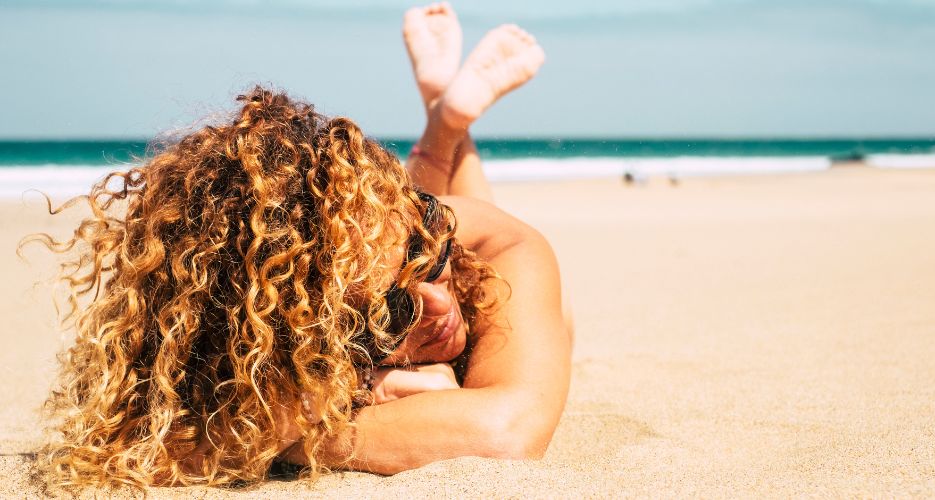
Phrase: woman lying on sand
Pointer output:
(281, 288)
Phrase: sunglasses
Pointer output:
(399, 302)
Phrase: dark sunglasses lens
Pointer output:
(435, 223)
(402, 310)
(439, 267)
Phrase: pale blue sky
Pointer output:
(737, 68)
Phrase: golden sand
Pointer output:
(757, 336)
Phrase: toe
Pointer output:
(412, 14)
(511, 28)
(539, 55)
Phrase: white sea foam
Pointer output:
(56, 180)
(902, 161)
(688, 166)
(63, 181)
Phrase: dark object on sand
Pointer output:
(845, 158)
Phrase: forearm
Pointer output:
(424, 428)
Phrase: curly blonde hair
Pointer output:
(221, 281)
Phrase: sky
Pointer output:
(617, 68)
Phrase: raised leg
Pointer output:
(506, 58)
(433, 41)
(432, 162)
(468, 178)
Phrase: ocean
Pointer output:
(66, 168)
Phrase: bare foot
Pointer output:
(433, 40)
(505, 58)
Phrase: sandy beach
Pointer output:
(736, 337)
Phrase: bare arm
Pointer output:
(517, 379)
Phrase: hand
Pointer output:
(288, 431)
(394, 383)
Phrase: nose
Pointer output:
(436, 300)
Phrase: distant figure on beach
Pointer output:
(280, 288)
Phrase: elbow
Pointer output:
(514, 435)
(522, 450)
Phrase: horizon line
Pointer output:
(534, 138)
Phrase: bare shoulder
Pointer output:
(485, 228)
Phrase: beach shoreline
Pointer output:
(61, 181)
(737, 336)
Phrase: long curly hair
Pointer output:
(220, 284)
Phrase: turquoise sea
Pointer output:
(109, 152)
(67, 168)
